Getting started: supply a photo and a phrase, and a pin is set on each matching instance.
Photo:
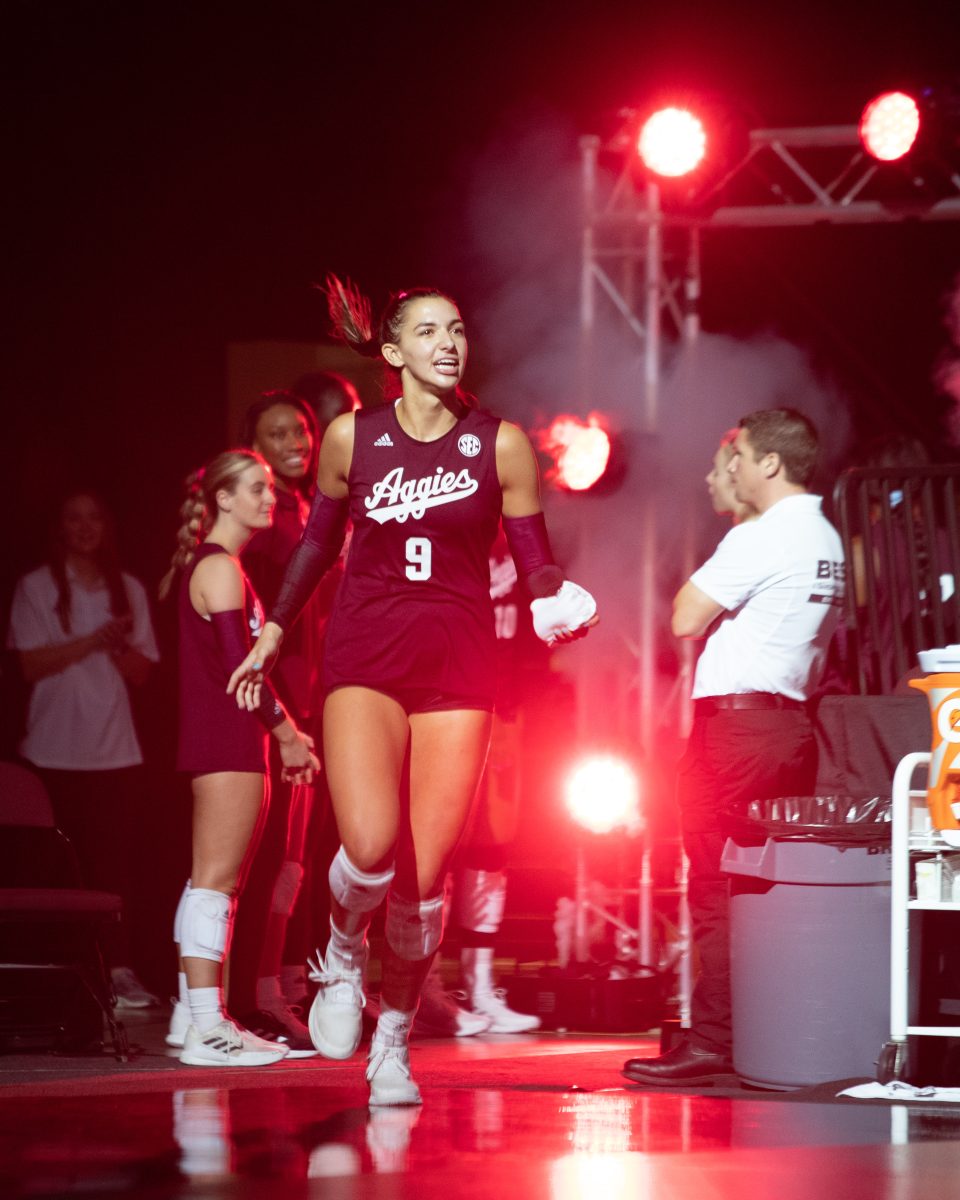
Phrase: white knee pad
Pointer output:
(287, 888)
(178, 915)
(355, 890)
(414, 927)
(205, 924)
(480, 898)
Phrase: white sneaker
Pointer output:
(388, 1074)
(441, 1014)
(334, 1021)
(227, 1045)
(129, 990)
(179, 1023)
(503, 1019)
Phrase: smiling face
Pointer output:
(252, 500)
(284, 439)
(431, 349)
(82, 525)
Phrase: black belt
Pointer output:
(712, 704)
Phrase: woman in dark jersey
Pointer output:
(223, 748)
(410, 660)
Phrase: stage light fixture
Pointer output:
(672, 142)
(580, 450)
(603, 794)
(889, 126)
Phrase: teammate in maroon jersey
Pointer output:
(222, 747)
(411, 648)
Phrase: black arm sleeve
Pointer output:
(316, 552)
(234, 645)
(530, 547)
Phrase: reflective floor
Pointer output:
(542, 1116)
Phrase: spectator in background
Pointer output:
(767, 602)
(723, 496)
(82, 631)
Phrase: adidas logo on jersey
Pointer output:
(384, 440)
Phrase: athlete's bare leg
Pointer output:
(227, 809)
(447, 755)
(365, 736)
(448, 751)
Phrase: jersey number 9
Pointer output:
(419, 558)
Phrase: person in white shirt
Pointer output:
(769, 599)
(82, 632)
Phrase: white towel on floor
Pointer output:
(901, 1091)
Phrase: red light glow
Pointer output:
(603, 794)
(580, 449)
(889, 126)
(672, 142)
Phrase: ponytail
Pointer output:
(351, 316)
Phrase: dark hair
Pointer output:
(786, 432)
(200, 504)
(328, 394)
(268, 400)
(351, 315)
(106, 558)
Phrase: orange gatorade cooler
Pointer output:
(943, 785)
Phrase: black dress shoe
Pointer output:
(683, 1064)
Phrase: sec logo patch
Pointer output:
(469, 445)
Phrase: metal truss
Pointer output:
(640, 256)
(640, 262)
(782, 178)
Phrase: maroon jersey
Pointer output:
(414, 608)
(215, 735)
(296, 675)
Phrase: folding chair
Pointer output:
(49, 923)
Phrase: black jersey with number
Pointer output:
(414, 608)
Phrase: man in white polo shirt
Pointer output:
(769, 599)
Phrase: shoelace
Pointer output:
(332, 977)
(379, 1056)
(497, 998)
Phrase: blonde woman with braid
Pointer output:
(222, 748)
(409, 664)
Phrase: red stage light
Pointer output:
(603, 794)
(889, 126)
(580, 449)
(672, 142)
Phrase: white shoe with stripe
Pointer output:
(227, 1045)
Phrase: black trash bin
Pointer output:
(809, 939)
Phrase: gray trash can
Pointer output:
(809, 950)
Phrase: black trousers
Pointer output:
(733, 756)
(97, 811)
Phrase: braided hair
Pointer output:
(199, 508)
